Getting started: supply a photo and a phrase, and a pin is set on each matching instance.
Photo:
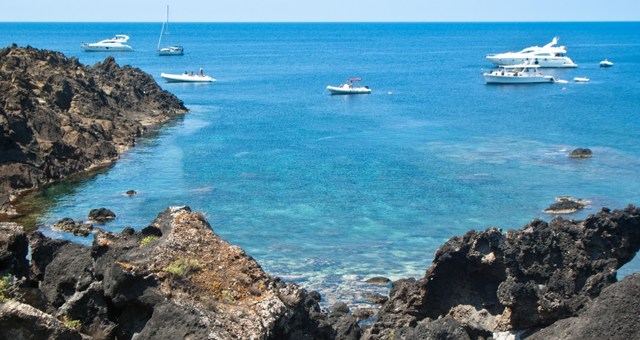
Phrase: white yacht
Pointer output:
(548, 55)
(349, 88)
(517, 74)
(606, 63)
(115, 44)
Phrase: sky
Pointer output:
(318, 10)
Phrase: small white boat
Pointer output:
(349, 88)
(170, 49)
(187, 77)
(517, 74)
(115, 44)
(581, 79)
(548, 55)
(606, 63)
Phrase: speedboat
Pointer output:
(517, 74)
(115, 44)
(349, 88)
(581, 79)
(187, 77)
(170, 49)
(548, 55)
(606, 63)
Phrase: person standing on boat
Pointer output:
(201, 72)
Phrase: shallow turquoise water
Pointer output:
(329, 190)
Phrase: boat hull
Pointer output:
(185, 78)
(558, 62)
(171, 50)
(499, 79)
(347, 90)
(103, 48)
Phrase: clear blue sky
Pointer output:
(319, 10)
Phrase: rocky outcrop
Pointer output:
(176, 279)
(613, 315)
(526, 279)
(59, 118)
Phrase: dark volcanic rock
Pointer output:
(581, 153)
(13, 250)
(68, 225)
(613, 315)
(59, 118)
(101, 215)
(565, 205)
(490, 282)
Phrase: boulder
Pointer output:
(21, 321)
(13, 250)
(612, 315)
(101, 215)
(581, 153)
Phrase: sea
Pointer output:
(328, 191)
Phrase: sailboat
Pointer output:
(169, 49)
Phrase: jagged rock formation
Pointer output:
(59, 118)
(175, 279)
(527, 279)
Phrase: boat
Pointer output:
(606, 63)
(517, 74)
(187, 77)
(349, 88)
(548, 55)
(169, 49)
(581, 79)
(115, 44)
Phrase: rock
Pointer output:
(581, 153)
(101, 215)
(529, 278)
(60, 118)
(70, 271)
(68, 225)
(376, 299)
(378, 281)
(21, 321)
(612, 315)
(444, 329)
(564, 207)
(13, 250)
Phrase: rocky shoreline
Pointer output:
(176, 279)
(59, 118)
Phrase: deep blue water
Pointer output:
(328, 190)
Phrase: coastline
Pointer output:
(64, 118)
(491, 263)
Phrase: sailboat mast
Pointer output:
(162, 31)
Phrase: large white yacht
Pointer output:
(115, 44)
(548, 55)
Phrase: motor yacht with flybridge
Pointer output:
(548, 55)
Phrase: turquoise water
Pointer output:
(328, 190)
